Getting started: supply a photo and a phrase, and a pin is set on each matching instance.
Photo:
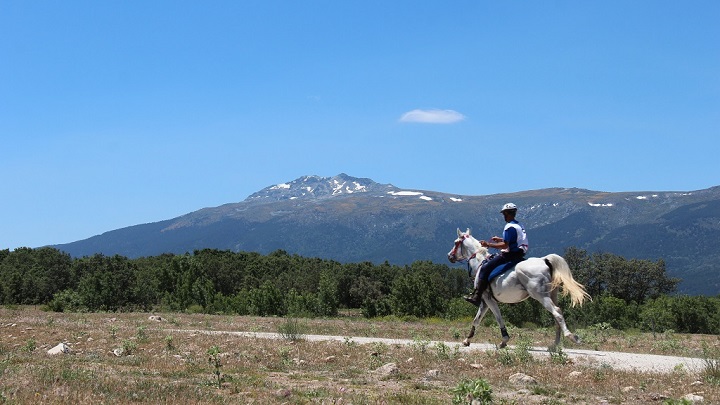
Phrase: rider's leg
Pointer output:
(481, 278)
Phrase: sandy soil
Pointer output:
(616, 360)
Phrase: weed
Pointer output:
(558, 356)
(29, 346)
(292, 329)
(419, 344)
(141, 334)
(672, 401)
(349, 342)
(169, 345)
(711, 358)
(375, 361)
(669, 342)
(505, 357)
(472, 392)
(214, 361)
(128, 347)
(522, 349)
(601, 373)
(379, 348)
(444, 352)
(597, 334)
(285, 355)
(113, 332)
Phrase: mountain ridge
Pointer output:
(352, 219)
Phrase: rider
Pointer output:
(513, 245)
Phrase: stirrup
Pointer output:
(471, 299)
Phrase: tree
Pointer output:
(106, 283)
(419, 291)
(327, 295)
(33, 276)
(630, 280)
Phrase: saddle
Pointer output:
(501, 268)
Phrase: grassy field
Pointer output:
(130, 358)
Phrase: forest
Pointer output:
(626, 293)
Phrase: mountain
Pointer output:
(351, 219)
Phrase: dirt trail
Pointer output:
(616, 360)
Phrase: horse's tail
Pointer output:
(561, 275)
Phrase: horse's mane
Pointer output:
(480, 251)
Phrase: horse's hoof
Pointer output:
(503, 345)
(575, 339)
(466, 343)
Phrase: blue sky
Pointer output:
(117, 113)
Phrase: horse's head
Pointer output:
(465, 246)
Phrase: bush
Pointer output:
(472, 391)
(458, 308)
(615, 311)
(67, 300)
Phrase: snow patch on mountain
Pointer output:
(405, 193)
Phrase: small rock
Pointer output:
(431, 374)
(520, 378)
(575, 374)
(387, 370)
(118, 352)
(60, 348)
(655, 396)
(695, 383)
(627, 389)
(156, 318)
(284, 393)
(693, 398)
(477, 366)
(329, 359)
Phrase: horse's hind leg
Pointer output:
(558, 328)
(482, 309)
(549, 304)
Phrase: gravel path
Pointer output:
(616, 360)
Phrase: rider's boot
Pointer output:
(476, 295)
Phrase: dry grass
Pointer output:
(159, 366)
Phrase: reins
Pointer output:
(468, 259)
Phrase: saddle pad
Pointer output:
(502, 269)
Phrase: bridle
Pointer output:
(459, 244)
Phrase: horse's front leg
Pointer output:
(493, 305)
(482, 309)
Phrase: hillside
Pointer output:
(352, 219)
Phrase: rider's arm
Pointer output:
(497, 243)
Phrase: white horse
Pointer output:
(539, 278)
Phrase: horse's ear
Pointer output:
(468, 231)
(459, 232)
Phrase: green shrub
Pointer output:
(472, 391)
(66, 300)
(292, 329)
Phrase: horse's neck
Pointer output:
(477, 249)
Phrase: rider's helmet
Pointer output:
(509, 207)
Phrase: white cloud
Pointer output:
(432, 116)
